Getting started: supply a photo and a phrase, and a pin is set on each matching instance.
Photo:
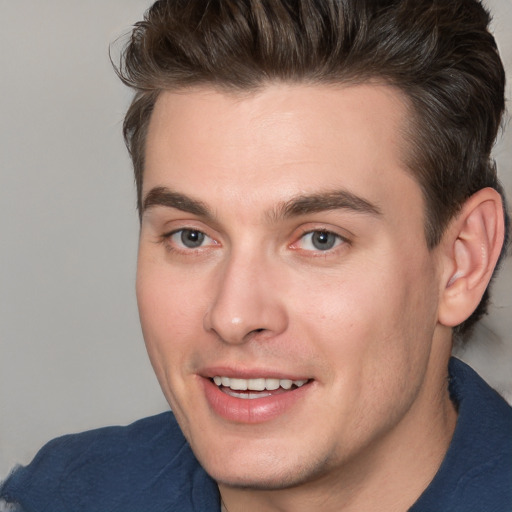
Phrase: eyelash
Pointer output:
(167, 239)
(339, 240)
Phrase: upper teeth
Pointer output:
(256, 384)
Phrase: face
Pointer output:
(287, 297)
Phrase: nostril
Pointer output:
(255, 334)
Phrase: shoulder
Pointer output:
(143, 466)
(484, 415)
(476, 473)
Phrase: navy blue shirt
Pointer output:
(148, 466)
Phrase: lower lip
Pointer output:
(255, 410)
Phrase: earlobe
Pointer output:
(471, 247)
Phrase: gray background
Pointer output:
(71, 350)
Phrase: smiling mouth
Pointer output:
(256, 388)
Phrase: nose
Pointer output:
(246, 302)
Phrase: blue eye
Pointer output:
(320, 241)
(189, 238)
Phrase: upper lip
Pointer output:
(250, 373)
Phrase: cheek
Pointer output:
(171, 315)
(375, 356)
(351, 305)
(171, 318)
(169, 303)
(367, 318)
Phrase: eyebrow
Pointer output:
(294, 207)
(162, 196)
(324, 201)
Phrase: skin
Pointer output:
(359, 320)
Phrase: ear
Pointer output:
(470, 249)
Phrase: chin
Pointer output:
(266, 473)
(260, 482)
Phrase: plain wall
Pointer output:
(71, 349)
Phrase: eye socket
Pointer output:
(319, 240)
(188, 238)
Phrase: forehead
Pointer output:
(283, 139)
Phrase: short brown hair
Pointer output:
(439, 53)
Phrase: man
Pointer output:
(319, 218)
